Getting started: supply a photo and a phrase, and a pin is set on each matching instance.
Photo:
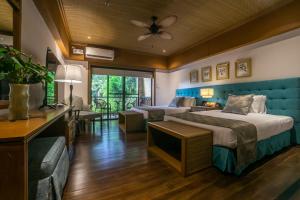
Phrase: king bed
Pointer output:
(267, 126)
(178, 104)
(276, 128)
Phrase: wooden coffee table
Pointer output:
(186, 148)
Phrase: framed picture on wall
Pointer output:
(206, 74)
(194, 76)
(243, 68)
(222, 71)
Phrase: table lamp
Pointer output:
(207, 92)
(68, 74)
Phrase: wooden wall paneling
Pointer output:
(17, 22)
(281, 18)
(132, 60)
(274, 23)
(16, 6)
(124, 58)
(197, 20)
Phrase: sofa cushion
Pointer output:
(44, 154)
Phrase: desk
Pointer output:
(14, 140)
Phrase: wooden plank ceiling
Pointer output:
(6, 18)
(198, 20)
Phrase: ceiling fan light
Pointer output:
(139, 23)
(168, 21)
(165, 35)
(143, 37)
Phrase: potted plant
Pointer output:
(21, 72)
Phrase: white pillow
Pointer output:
(259, 104)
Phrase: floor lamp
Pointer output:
(69, 74)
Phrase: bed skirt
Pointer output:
(225, 158)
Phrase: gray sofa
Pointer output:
(48, 168)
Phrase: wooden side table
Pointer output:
(131, 121)
(186, 148)
(203, 108)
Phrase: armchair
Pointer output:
(84, 113)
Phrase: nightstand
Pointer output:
(203, 108)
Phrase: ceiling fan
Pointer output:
(156, 28)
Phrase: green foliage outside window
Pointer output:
(116, 93)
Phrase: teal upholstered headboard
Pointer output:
(283, 96)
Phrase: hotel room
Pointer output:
(149, 99)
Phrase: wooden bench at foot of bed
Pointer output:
(130, 121)
(186, 148)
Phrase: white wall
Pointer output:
(163, 88)
(274, 58)
(36, 38)
(35, 35)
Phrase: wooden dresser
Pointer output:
(15, 138)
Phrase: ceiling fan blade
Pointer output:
(165, 35)
(168, 21)
(139, 23)
(143, 37)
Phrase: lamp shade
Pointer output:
(207, 92)
(68, 74)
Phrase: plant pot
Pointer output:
(36, 96)
(18, 101)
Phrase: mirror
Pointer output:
(6, 23)
(10, 23)
(6, 38)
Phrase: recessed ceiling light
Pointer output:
(89, 37)
(164, 51)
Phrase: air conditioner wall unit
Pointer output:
(99, 53)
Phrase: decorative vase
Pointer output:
(36, 95)
(18, 101)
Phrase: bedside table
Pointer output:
(203, 108)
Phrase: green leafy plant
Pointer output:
(18, 67)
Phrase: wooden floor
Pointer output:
(112, 166)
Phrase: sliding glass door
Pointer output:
(131, 92)
(112, 93)
(115, 95)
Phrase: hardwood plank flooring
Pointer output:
(112, 166)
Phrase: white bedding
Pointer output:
(168, 110)
(266, 125)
